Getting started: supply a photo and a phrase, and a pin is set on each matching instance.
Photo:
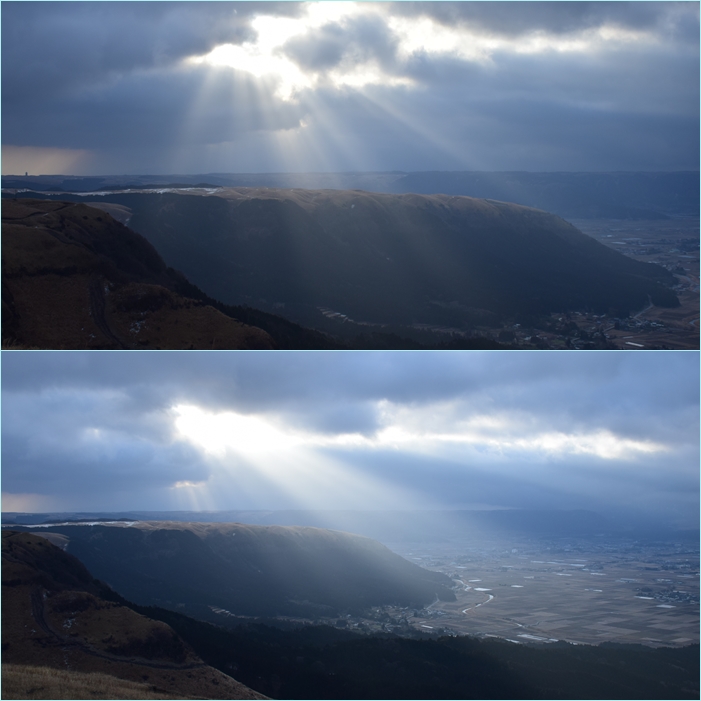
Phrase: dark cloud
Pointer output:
(84, 470)
(355, 42)
(108, 77)
(261, 382)
(639, 395)
(338, 417)
(322, 51)
(154, 109)
(56, 47)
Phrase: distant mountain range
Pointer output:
(617, 195)
(411, 526)
(329, 258)
(571, 195)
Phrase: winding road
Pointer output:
(37, 597)
(470, 608)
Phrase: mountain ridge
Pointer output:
(249, 570)
(355, 258)
(614, 194)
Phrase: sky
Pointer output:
(612, 432)
(99, 88)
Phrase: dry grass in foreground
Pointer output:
(30, 682)
(11, 344)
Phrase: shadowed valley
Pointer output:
(55, 614)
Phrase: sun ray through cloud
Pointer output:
(353, 431)
(460, 85)
(256, 455)
(262, 458)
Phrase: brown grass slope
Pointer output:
(74, 277)
(55, 615)
(32, 682)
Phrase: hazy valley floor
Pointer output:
(672, 243)
(580, 592)
(538, 592)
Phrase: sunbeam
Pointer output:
(314, 92)
(265, 56)
(261, 459)
(217, 433)
(353, 431)
(253, 458)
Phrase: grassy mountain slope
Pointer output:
(55, 615)
(54, 612)
(250, 570)
(377, 258)
(73, 277)
(36, 682)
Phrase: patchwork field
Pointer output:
(650, 596)
(674, 244)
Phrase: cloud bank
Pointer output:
(616, 432)
(333, 86)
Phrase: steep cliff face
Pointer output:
(74, 277)
(56, 616)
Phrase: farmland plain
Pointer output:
(588, 592)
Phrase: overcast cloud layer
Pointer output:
(137, 87)
(613, 432)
